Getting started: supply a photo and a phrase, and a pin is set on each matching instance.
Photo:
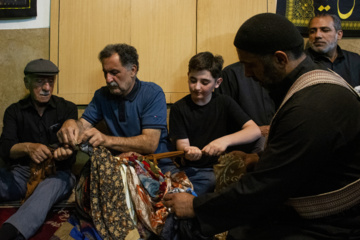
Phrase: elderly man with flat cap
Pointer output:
(306, 182)
(28, 137)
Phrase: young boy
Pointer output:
(204, 124)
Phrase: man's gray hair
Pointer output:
(128, 54)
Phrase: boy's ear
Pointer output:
(218, 82)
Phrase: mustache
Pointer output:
(44, 93)
(113, 84)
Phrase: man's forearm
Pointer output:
(19, 150)
(145, 143)
(140, 144)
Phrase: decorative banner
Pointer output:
(17, 8)
(300, 12)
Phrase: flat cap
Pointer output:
(267, 33)
(41, 67)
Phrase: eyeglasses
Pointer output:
(40, 81)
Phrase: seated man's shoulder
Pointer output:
(352, 54)
(151, 86)
(63, 101)
(19, 104)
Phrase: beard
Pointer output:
(325, 49)
(272, 76)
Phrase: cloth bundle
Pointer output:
(232, 166)
(123, 196)
(39, 172)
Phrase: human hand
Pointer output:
(62, 153)
(215, 148)
(93, 136)
(265, 130)
(38, 152)
(251, 159)
(180, 203)
(192, 153)
(129, 154)
(68, 133)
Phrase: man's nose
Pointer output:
(108, 77)
(318, 34)
(46, 85)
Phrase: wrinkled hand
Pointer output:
(68, 133)
(38, 152)
(94, 137)
(180, 203)
(215, 148)
(192, 153)
(62, 153)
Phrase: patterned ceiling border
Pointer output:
(300, 12)
(17, 8)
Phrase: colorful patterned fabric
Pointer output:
(101, 195)
(109, 211)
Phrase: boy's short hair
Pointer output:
(207, 61)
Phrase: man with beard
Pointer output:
(305, 184)
(30, 128)
(134, 111)
(324, 33)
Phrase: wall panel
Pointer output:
(82, 29)
(164, 32)
(218, 22)
(17, 48)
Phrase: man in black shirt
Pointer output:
(28, 137)
(324, 33)
(306, 182)
(250, 95)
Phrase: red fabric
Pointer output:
(53, 221)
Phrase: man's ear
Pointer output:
(27, 82)
(218, 82)
(340, 34)
(281, 58)
(134, 70)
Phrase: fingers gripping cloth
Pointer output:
(38, 173)
(232, 166)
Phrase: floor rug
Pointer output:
(56, 217)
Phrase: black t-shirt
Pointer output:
(249, 94)
(203, 124)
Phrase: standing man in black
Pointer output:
(306, 183)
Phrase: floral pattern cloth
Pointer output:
(109, 210)
(123, 195)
